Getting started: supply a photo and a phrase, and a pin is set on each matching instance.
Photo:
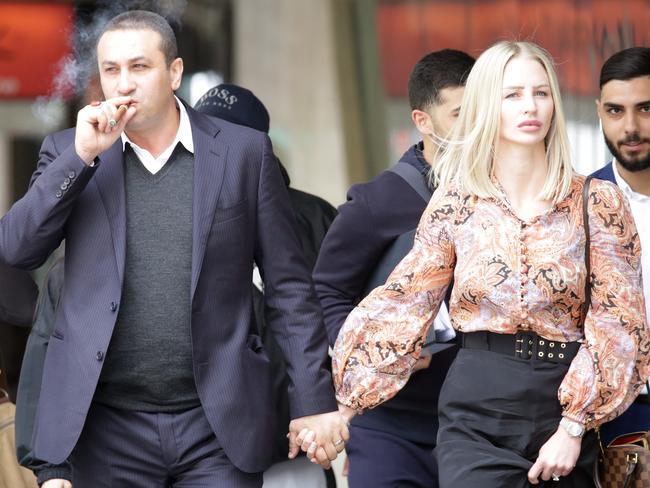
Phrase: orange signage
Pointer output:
(34, 40)
(579, 34)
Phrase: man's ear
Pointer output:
(176, 71)
(422, 121)
(599, 106)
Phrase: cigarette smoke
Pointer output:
(77, 70)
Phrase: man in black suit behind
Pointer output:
(391, 445)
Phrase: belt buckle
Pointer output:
(523, 345)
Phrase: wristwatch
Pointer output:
(574, 429)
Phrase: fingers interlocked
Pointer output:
(322, 438)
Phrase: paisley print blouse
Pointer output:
(510, 275)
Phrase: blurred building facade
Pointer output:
(332, 73)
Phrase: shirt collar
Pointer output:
(623, 185)
(183, 135)
(420, 162)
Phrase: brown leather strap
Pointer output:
(585, 220)
(632, 462)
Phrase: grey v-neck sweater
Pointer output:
(148, 364)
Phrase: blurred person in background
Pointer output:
(624, 112)
(540, 365)
(391, 445)
(313, 215)
(18, 294)
(17, 300)
(239, 105)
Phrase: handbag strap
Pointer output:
(632, 461)
(585, 221)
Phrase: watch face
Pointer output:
(574, 429)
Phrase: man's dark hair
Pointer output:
(626, 64)
(143, 19)
(435, 71)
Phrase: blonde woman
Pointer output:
(506, 224)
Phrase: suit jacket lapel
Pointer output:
(110, 183)
(209, 166)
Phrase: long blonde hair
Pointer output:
(466, 158)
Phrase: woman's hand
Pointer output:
(423, 362)
(557, 457)
(346, 412)
(56, 483)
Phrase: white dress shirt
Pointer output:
(184, 136)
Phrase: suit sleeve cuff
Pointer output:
(53, 471)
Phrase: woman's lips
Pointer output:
(530, 125)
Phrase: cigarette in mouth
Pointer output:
(121, 110)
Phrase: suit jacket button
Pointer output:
(113, 306)
(72, 175)
(100, 355)
(67, 181)
(63, 186)
(59, 194)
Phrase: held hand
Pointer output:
(347, 413)
(557, 457)
(346, 466)
(321, 436)
(56, 483)
(95, 132)
(423, 362)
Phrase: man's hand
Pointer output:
(56, 483)
(557, 457)
(321, 436)
(95, 132)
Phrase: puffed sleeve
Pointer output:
(381, 339)
(612, 364)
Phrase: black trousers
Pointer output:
(495, 413)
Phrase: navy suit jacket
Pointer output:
(241, 214)
(605, 173)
